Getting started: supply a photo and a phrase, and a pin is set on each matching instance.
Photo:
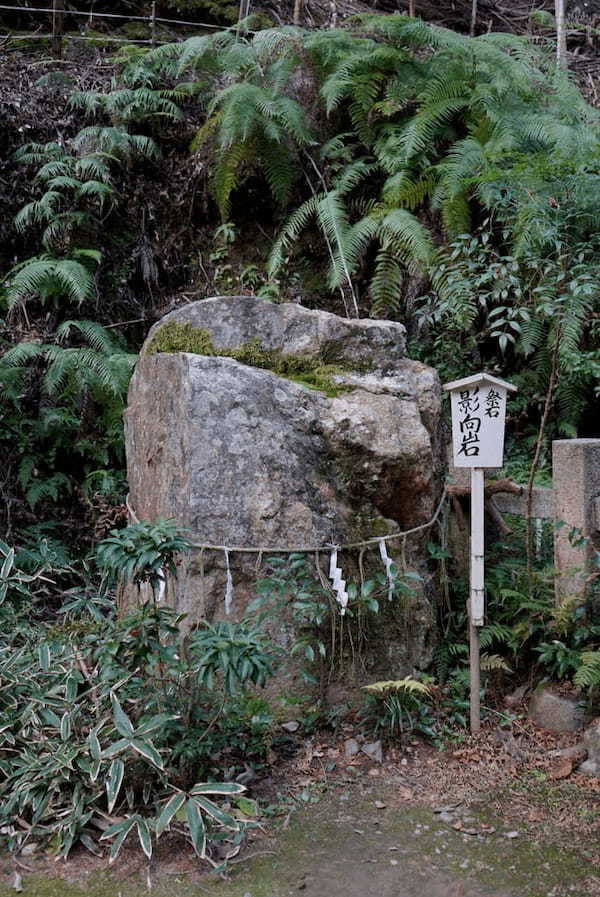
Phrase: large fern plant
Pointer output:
(76, 432)
(399, 138)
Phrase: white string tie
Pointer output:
(162, 585)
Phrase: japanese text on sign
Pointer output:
(470, 423)
(478, 413)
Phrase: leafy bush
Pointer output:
(143, 552)
(111, 727)
(527, 636)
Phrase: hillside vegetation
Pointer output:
(448, 182)
(386, 167)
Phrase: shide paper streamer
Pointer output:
(338, 584)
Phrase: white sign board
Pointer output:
(478, 416)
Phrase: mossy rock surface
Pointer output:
(311, 372)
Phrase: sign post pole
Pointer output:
(478, 418)
(477, 592)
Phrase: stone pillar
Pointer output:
(576, 483)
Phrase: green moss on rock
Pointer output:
(176, 337)
(313, 373)
(367, 526)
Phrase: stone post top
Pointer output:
(575, 442)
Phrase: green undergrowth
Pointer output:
(313, 373)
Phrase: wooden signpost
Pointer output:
(478, 418)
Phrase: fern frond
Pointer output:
(357, 239)
(457, 173)
(290, 232)
(333, 220)
(137, 105)
(39, 211)
(408, 684)
(279, 170)
(80, 365)
(228, 173)
(115, 143)
(63, 225)
(490, 662)
(353, 175)
(337, 147)
(588, 674)
(428, 124)
(200, 53)
(401, 190)
(386, 285)
(97, 190)
(270, 41)
(92, 167)
(43, 274)
(39, 153)
(411, 240)
(50, 170)
(21, 354)
(496, 633)
(63, 182)
(94, 333)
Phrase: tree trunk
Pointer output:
(473, 18)
(298, 7)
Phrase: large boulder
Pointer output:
(556, 712)
(225, 434)
(591, 742)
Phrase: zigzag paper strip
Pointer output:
(388, 567)
(228, 585)
(338, 584)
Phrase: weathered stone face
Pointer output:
(557, 713)
(591, 741)
(243, 456)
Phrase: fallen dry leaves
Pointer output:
(519, 776)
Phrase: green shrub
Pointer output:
(114, 720)
(398, 708)
(143, 552)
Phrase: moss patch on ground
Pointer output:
(357, 842)
(313, 373)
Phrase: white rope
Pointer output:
(311, 549)
(338, 584)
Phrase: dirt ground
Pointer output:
(492, 816)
